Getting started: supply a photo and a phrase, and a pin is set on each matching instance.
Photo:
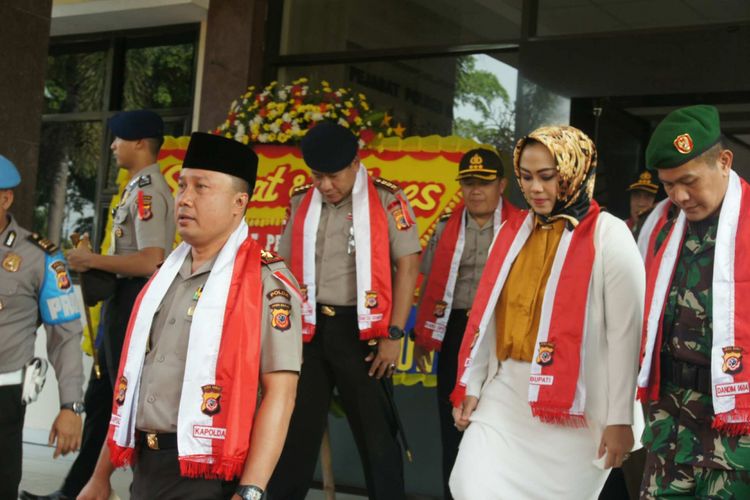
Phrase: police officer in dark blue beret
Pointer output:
(143, 230)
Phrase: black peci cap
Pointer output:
(220, 154)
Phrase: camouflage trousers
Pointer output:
(663, 478)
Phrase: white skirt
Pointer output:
(506, 453)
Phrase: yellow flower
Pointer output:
(271, 137)
(245, 140)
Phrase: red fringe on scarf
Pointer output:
(558, 416)
(727, 423)
(200, 466)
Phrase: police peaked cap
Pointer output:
(220, 154)
(139, 124)
(328, 147)
(480, 163)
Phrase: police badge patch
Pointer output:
(439, 310)
(12, 262)
(371, 299)
(211, 404)
(732, 360)
(280, 316)
(546, 350)
(398, 215)
(63, 281)
(122, 388)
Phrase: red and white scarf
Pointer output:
(730, 382)
(437, 303)
(557, 393)
(220, 385)
(372, 258)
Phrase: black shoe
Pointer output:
(55, 495)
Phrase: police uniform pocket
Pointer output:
(8, 287)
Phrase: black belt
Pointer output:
(158, 440)
(330, 311)
(686, 375)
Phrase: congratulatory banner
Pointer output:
(424, 167)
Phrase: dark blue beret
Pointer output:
(134, 125)
(220, 154)
(328, 147)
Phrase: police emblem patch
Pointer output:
(546, 350)
(211, 404)
(303, 291)
(122, 388)
(683, 143)
(371, 299)
(144, 206)
(398, 215)
(439, 310)
(12, 262)
(118, 232)
(280, 316)
(63, 280)
(732, 360)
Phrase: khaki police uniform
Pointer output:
(164, 369)
(335, 357)
(142, 219)
(473, 259)
(34, 285)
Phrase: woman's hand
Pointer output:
(462, 413)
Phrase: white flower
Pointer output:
(286, 117)
(282, 95)
(240, 130)
(317, 116)
(262, 137)
(274, 128)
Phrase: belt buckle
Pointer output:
(328, 311)
(152, 441)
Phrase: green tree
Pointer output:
(481, 90)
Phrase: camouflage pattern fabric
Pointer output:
(688, 314)
(686, 456)
(664, 478)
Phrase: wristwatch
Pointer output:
(395, 333)
(249, 492)
(76, 407)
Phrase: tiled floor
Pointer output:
(42, 474)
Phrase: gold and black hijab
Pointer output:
(575, 160)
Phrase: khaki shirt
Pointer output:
(152, 223)
(335, 266)
(474, 257)
(164, 365)
(23, 277)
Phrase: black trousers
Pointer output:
(447, 367)
(12, 412)
(335, 358)
(156, 475)
(98, 397)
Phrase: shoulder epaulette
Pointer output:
(144, 180)
(386, 184)
(268, 258)
(43, 243)
(445, 216)
(301, 189)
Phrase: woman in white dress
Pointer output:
(548, 364)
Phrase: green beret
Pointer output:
(684, 134)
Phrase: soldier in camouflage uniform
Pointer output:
(687, 457)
